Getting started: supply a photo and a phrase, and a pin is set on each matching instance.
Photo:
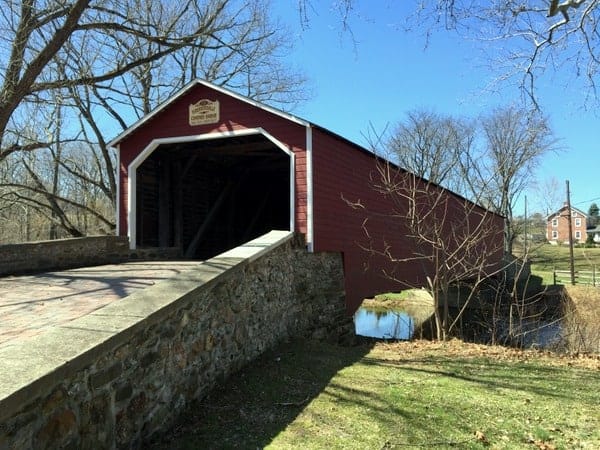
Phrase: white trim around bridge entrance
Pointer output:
(155, 143)
(309, 190)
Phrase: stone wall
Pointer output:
(62, 254)
(117, 376)
(515, 268)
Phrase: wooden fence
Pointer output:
(589, 277)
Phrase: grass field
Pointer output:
(402, 395)
(545, 258)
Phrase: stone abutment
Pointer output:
(114, 378)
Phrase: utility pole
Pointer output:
(570, 218)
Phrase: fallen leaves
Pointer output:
(544, 445)
(455, 348)
(481, 437)
(540, 444)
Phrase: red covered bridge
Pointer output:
(210, 169)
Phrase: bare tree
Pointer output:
(251, 64)
(44, 193)
(96, 41)
(457, 243)
(454, 239)
(514, 142)
(490, 163)
(432, 146)
(535, 36)
(35, 34)
(522, 40)
(117, 62)
(551, 195)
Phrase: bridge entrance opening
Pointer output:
(208, 196)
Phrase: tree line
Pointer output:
(74, 73)
(489, 160)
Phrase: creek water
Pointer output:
(533, 334)
(383, 325)
(399, 325)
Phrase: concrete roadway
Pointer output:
(32, 304)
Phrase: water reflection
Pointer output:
(383, 325)
(531, 333)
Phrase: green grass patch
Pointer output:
(404, 395)
(547, 257)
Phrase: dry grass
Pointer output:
(581, 327)
(417, 303)
(582, 318)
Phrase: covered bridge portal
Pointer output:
(210, 169)
(206, 196)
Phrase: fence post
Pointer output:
(554, 275)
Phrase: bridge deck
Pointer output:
(34, 303)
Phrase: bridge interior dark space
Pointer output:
(206, 197)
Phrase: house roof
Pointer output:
(556, 213)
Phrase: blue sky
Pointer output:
(373, 82)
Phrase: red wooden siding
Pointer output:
(343, 172)
(340, 170)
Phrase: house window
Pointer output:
(554, 224)
(578, 235)
(573, 213)
(555, 235)
(578, 222)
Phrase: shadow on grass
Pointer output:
(493, 376)
(390, 396)
(257, 403)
